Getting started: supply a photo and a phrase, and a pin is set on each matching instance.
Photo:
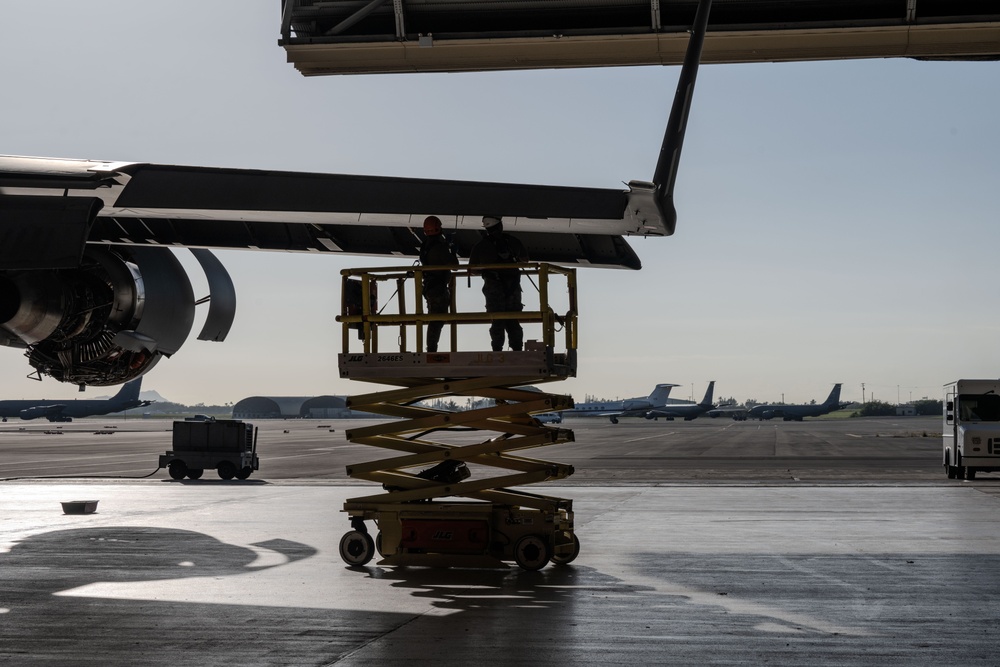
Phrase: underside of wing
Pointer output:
(146, 204)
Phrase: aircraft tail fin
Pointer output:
(660, 394)
(129, 393)
(709, 395)
(834, 398)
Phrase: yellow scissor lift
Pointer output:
(484, 520)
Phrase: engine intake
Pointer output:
(110, 319)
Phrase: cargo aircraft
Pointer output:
(127, 398)
(91, 290)
(797, 412)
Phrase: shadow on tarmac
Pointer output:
(39, 628)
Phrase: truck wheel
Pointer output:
(357, 548)
(226, 470)
(244, 472)
(970, 473)
(531, 553)
(177, 469)
(195, 473)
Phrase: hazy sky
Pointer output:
(838, 221)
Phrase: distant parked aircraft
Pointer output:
(734, 412)
(797, 412)
(631, 407)
(64, 411)
(686, 411)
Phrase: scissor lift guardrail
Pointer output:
(488, 521)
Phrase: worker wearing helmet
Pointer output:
(501, 287)
(436, 251)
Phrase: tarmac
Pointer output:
(838, 571)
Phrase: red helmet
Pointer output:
(432, 225)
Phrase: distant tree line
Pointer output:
(924, 407)
(171, 408)
(875, 408)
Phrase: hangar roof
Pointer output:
(367, 36)
(286, 406)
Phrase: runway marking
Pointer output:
(649, 437)
(270, 458)
(68, 463)
(853, 435)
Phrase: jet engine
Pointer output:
(113, 317)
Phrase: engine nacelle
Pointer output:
(110, 319)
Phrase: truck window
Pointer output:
(979, 407)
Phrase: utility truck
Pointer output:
(971, 428)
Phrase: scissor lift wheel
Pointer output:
(357, 548)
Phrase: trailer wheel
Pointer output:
(226, 470)
(566, 560)
(177, 469)
(357, 548)
(378, 544)
(244, 472)
(970, 473)
(531, 553)
(195, 473)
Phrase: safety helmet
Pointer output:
(432, 225)
(490, 221)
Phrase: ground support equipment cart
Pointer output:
(227, 445)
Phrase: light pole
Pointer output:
(862, 393)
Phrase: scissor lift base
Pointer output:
(497, 522)
(465, 534)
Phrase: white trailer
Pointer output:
(971, 441)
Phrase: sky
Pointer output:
(837, 221)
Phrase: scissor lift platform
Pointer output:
(485, 519)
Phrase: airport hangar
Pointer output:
(292, 407)
(373, 36)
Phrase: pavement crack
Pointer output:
(376, 638)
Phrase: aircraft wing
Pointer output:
(119, 203)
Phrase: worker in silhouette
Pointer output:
(436, 251)
(501, 287)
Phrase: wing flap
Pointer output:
(174, 187)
